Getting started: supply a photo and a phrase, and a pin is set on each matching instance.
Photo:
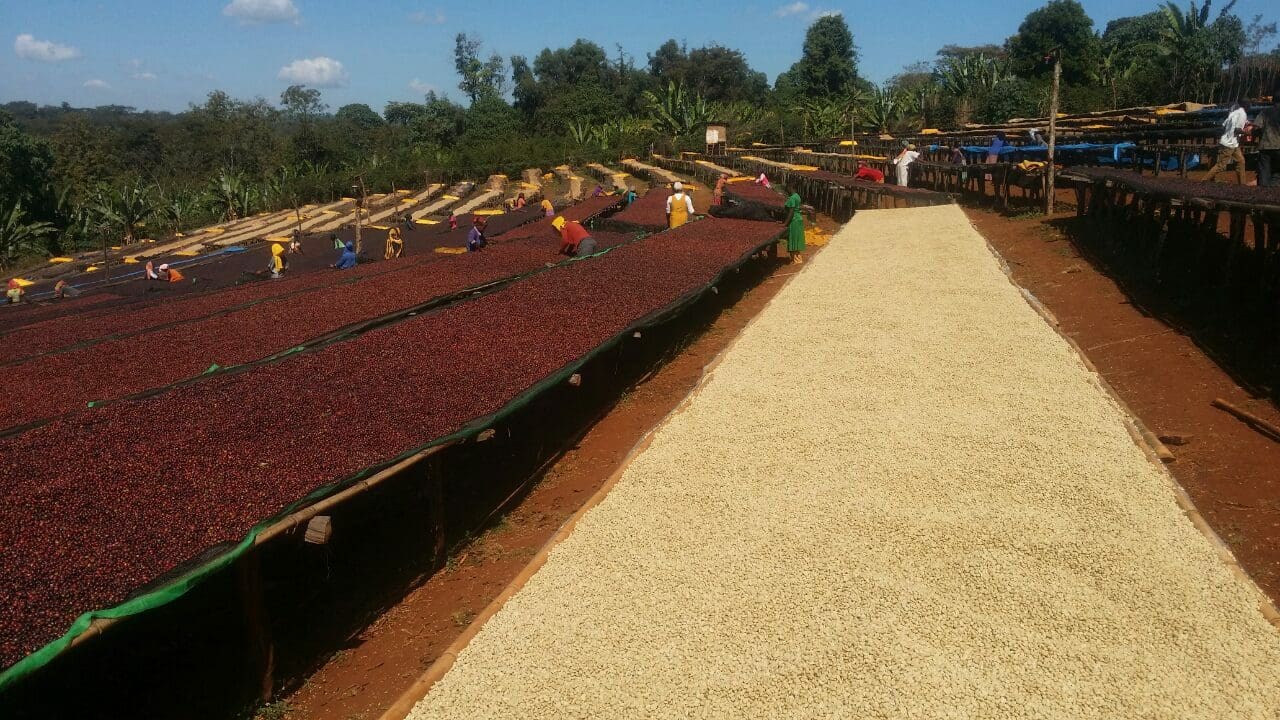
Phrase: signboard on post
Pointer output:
(717, 139)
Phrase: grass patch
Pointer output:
(273, 711)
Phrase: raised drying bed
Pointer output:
(243, 447)
(50, 385)
(647, 213)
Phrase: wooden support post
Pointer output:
(261, 656)
(434, 479)
(1053, 128)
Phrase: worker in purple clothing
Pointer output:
(475, 237)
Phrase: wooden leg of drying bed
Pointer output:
(435, 510)
(262, 656)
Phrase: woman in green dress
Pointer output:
(795, 229)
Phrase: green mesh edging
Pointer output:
(179, 586)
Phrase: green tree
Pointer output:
(25, 166)
(828, 65)
(721, 74)
(1060, 25)
(302, 103)
(525, 89)
(1014, 97)
(359, 115)
(669, 62)
(477, 78)
(1197, 49)
(1131, 64)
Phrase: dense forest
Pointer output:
(72, 177)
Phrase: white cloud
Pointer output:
(255, 12)
(427, 17)
(97, 84)
(420, 87)
(29, 48)
(316, 72)
(144, 76)
(794, 8)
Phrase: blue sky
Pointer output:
(165, 54)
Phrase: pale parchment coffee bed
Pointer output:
(900, 495)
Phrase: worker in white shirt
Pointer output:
(679, 206)
(1229, 144)
(903, 162)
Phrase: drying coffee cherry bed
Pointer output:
(87, 516)
(46, 386)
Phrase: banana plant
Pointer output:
(179, 207)
(969, 77)
(125, 208)
(581, 133)
(230, 195)
(883, 110)
(20, 236)
(1187, 40)
(677, 112)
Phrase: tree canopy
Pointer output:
(65, 171)
(1061, 27)
(828, 65)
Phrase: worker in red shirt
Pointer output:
(869, 174)
(575, 241)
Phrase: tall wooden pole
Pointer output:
(360, 203)
(853, 143)
(1053, 130)
(103, 230)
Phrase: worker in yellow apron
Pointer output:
(679, 207)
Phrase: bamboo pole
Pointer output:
(1262, 426)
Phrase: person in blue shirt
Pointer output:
(348, 257)
(629, 196)
(998, 143)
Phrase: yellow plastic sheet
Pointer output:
(489, 211)
(23, 282)
(426, 222)
(451, 250)
(131, 260)
(816, 236)
(56, 260)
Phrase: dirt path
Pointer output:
(1231, 471)
(360, 682)
(944, 514)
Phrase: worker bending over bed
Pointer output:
(575, 241)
